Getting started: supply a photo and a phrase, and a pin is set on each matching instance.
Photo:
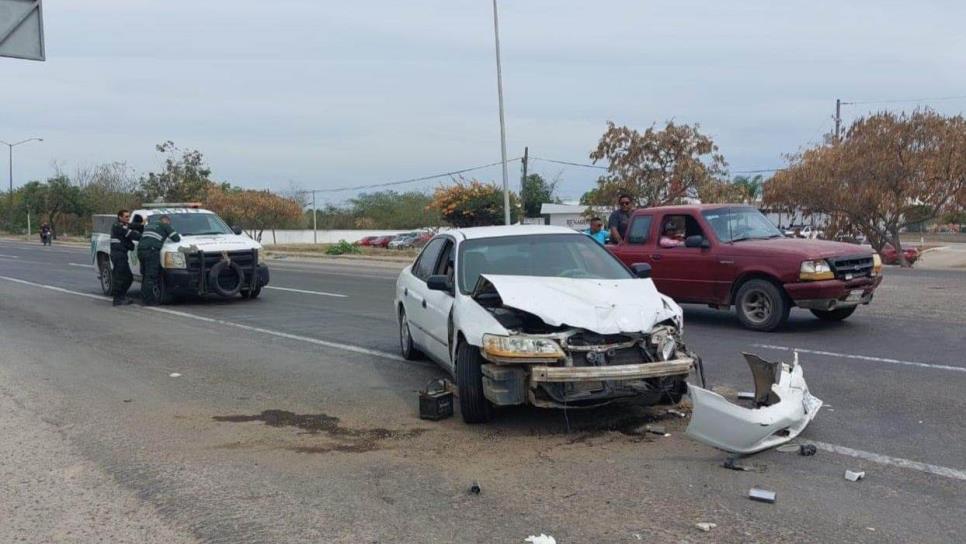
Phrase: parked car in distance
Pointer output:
(403, 240)
(365, 240)
(803, 231)
(381, 241)
(891, 256)
(539, 315)
(730, 254)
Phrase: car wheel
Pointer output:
(838, 314)
(474, 406)
(107, 277)
(406, 345)
(761, 305)
(161, 292)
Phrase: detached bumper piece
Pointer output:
(784, 409)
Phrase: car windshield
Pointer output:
(539, 255)
(740, 223)
(194, 224)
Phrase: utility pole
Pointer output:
(10, 166)
(499, 89)
(838, 118)
(523, 181)
(315, 229)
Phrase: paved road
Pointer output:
(245, 446)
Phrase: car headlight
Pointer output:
(521, 347)
(816, 270)
(665, 344)
(876, 264)
(175, 259)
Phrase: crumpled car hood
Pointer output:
(601, 306)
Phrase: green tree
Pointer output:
(185, 177)
(52, 200)
(752, 187)
(392, 210)
(535, 192)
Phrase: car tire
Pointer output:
(761, 305)
(474, 406)
(839, 314)
(251, 293)
(161, 292)
(406, 346)
(106, 275)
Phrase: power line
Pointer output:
(406, 181)
(758, 171)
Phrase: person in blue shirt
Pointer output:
(596, 231)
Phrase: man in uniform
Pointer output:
(620, 218)
(123, 235)
(149, 253)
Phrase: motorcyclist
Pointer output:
(45, 234)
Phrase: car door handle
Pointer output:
(424, 303)
(656, 256)
(406, 292)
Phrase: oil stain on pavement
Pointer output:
(348, 440)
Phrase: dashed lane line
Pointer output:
(82, 265)
(946, 472)
(305, 291)
(863, 358)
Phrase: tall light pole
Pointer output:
(10, 155)
(499, 90)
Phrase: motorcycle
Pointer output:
(46, 237)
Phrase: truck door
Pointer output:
(638, 242)
(686, 274)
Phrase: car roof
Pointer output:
(473, 233)
(691, 207)
(168, 211)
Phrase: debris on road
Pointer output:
(807, 450)
(542, 539)
(678, 413)
(854, 476)
(435, 402)
(761, 495)
(746, 395)
(732, 463)
(475, 488)
(789, 448)
(706, 527)
(174, 375)
(656, 429)
(784, 409)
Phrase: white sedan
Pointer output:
(539, 315)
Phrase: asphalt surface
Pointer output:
(292, 420)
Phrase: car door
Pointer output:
(637, 245)
(685, 274)
(439, 304)
(415, 292)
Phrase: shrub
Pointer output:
(342, 248)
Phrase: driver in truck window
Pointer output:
(672, 235)
(149, 253)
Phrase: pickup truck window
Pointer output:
(194, 224)
(740, 223)
(676, 228)
(640, 227)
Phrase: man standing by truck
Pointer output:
(123, 235)
(149, 253)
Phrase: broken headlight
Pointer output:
(521, 347)
(665, 344)
(175, 260)
(816, 270)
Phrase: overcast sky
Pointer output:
(328, 94)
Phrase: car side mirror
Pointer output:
(237, 230)
(696, 240)
(439, 282)
(641, 270)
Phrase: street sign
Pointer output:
(21, 29)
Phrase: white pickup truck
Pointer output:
(211, 258)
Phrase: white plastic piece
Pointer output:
(541, 539)
(854, 476)
(174, 375)
(706, 527)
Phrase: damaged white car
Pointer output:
(543, 316)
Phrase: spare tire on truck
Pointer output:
(226, 278)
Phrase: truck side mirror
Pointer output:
(641, 270)
(696, 240)
(237, 230)
(439, 282)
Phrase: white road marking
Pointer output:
(863, 358)
(82, 265)
(10, 256)
(321, 293)
(937, 470)
(953, 473)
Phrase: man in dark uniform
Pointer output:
(620, 218)
(149, 253)
(123, 235)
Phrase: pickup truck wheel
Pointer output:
(761, 305)
(161, 292)
(406, 346)
(107, 276)
(474, 406)
(834, 315)
(251, 293)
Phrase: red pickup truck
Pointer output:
(731, 254)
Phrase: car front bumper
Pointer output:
(574, 374)
(832, 294)
(183, 281)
